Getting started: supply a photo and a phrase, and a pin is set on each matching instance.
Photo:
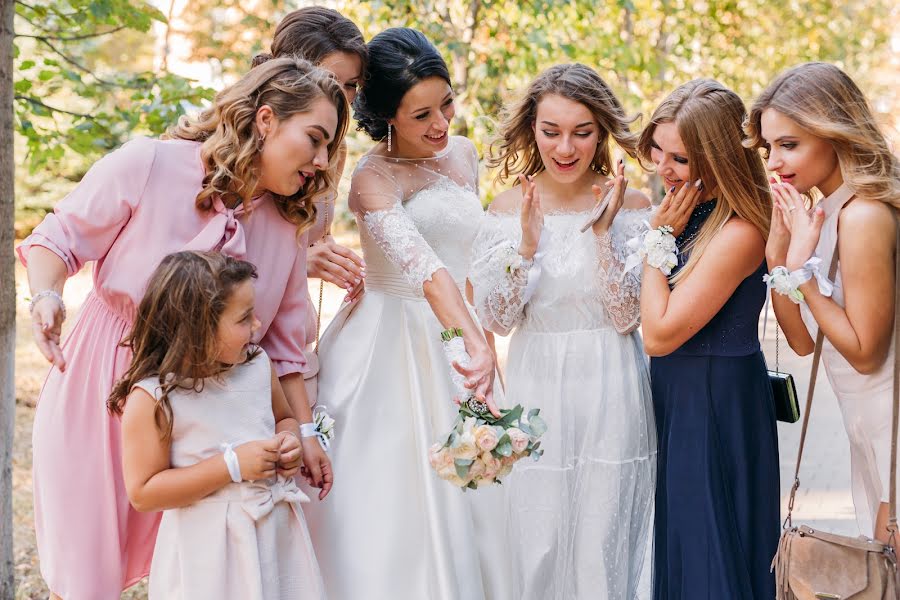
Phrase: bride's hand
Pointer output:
(619, 184)
(532, 218)
(479, 374)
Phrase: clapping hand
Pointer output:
(676, 208)
(779, 234)
(618, 185)
(804, 226)
(532, 218)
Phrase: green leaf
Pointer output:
(504, 449)
(26, 64)
(538, 426)
(22, 86)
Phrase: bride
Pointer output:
(579, 518)
(391, 528)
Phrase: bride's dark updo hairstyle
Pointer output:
(399, 58)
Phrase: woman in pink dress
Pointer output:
(237, 179)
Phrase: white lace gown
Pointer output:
(391, 529)
(580, 518)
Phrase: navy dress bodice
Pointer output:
(717, 495)
(733, 331)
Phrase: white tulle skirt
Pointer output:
(391, 529)
(580, 518)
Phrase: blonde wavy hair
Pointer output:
(708, 117)
(231, 142)
(824, 101)
(515, 150)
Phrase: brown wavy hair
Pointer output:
(231, 142)
(174, 336)
(708, 116)
(825, 101)
(313, 33)
(515, 150)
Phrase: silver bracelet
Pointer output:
(52, 294)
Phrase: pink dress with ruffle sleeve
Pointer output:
(133, 207)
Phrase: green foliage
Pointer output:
(71, 98)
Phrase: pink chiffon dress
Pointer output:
(133, 207)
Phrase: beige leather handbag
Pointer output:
(816, 565)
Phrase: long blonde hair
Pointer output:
(708, 117)
(515, 150)
(232, 143)
(175, 333)
(824, 101)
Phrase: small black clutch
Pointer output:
(787, 408)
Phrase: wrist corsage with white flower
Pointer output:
(787, 283)
(322, 427)
(657, 246)
(480, 449)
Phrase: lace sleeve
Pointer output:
(501, 280)
(377, 201)
(620, 292)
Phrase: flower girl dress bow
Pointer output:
(259, 498)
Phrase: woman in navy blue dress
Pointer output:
(717, 494)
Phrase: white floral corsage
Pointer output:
(787, 283)
(322, 427)
(657, 246)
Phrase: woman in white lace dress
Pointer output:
(392, 529)
(579, 518)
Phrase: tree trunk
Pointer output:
(7, 298)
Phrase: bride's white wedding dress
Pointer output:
(580, 517)
(391, 529)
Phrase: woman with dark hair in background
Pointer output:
(384, 375)
(333, 42)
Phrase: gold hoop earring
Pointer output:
(260, 142)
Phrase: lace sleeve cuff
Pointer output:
(397, 236)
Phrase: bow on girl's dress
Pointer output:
(260, 497)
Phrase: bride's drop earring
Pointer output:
(389, 137)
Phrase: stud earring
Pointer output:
(389, 136)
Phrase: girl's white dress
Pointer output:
(391, 529)
(580, 518)
(866, 401)
(247, 541)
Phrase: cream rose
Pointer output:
(466, 448)
(518, 439)
(486, 438)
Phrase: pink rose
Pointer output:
(491, 465)
(486, 438)
(439, 458)
(518, 439)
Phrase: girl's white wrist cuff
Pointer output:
(231, 461)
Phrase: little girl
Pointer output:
(209, 437)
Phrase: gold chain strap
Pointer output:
(322, 281)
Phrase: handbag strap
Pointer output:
(892, 515)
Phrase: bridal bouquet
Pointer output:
(480, 448)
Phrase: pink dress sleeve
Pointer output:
(85, 224)
(286, 337)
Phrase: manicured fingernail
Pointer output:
(771, 180)
(621, 161)
(356, 280)
(672, 189)
(697, 183)
(701, 186)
